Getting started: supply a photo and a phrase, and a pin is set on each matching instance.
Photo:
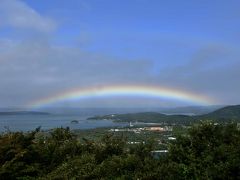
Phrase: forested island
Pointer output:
(222, 115)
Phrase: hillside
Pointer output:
(191, 110)
(149, 117)
(225, 113)
(229, 113)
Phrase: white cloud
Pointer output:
(17, 14)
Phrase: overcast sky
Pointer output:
(51, 46)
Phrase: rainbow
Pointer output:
(124, 90)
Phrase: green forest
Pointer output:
(207, 151)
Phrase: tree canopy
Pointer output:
(207, 151)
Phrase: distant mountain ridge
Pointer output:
(225, 114)
(194, 110)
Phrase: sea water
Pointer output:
(56, 119)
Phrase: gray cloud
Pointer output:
(212, 70)
(31, 70)
(35, 69)
(17, 14)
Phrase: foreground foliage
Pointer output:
(208, 151)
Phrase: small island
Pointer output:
(74, 121)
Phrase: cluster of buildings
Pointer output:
(138, 130)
